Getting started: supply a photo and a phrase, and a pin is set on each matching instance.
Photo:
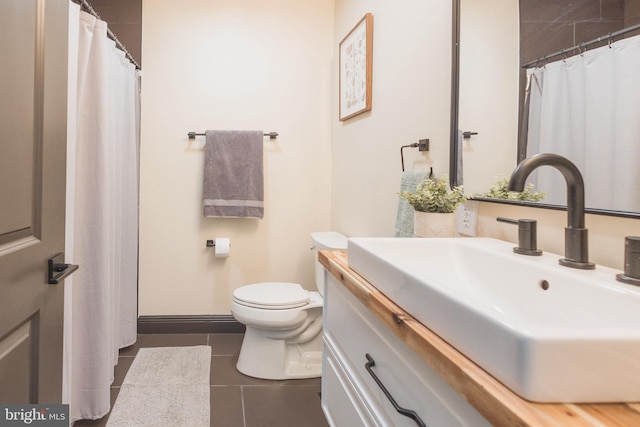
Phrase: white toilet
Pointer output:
(283, 339)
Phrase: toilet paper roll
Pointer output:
(222, 247)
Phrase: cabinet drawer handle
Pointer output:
(406, 412)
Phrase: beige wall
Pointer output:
(225, 64)
(489, 70)
(411, 93)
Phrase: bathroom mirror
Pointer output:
(495, 38)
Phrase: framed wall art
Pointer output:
(356, 65)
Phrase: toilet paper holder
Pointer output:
(221, 246)
(212, 244)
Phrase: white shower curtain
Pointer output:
(102, 214)
(587, 108)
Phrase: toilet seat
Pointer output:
(272, 296)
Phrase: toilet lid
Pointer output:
(272, 295)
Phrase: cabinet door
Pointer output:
(340, 403)
(354, 332)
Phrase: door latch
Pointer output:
(58, 270)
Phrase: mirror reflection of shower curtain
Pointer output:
(102, 214)
(587, 108)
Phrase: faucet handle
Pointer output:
(631, 273)
(527, 236)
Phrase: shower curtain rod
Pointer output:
(84, 4)
(580, 46)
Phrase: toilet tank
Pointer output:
(325, 240)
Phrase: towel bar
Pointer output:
(271, 135)
(423, 145)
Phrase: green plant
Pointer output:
(434, 196)
(500, 190)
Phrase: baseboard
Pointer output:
(201, 324)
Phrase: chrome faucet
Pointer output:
(576, 244)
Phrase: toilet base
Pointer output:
(276, 359)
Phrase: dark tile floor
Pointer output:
(236, 400)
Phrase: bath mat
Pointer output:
(165, 386)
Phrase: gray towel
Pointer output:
(233, 174)
(404, 217)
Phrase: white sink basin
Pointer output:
(576, 341)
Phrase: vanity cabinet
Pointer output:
(357, 347)
(421, 371)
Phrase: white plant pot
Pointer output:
(433, 224)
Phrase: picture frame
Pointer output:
(356, 66)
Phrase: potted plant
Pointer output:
(500, 190)
(434, 204)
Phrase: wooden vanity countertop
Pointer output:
(499, 405)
